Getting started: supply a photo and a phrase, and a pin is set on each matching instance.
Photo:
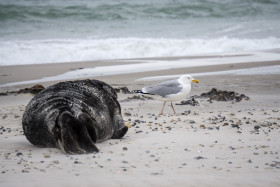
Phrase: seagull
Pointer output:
(170, 91)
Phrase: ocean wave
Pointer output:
(131, 10)
(70, 50)
(27, 20)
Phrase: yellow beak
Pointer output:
(196, 81)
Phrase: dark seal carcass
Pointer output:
(73, 116)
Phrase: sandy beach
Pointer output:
(213, 144)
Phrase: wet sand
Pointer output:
(213, 144)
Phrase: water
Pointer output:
(44, 31)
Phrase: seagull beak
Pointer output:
(196, 81)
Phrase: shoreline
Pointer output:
(20, 75)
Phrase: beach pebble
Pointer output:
(225, 124)
(19, 154)
(127, 114)
(234, 126)
(56, 161)
(169, 128)
(202, 126)
(46, 155)
(5, 116)
(199, 158)
(266, 124)
(256, 127)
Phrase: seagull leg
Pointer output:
(162, 108)
(173, 108)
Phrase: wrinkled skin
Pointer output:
(73, 116)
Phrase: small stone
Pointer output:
(19, 154)
(192, 121)
(156, 174)
(256, 127)
(47, 155)
(125, 148)
(169, 128)
(5, 116)
(266, 124)
(225, 124)
(238, 123)
(202, 126)
(199, 158)
(24, 171)
(234, 125)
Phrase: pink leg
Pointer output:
(173, 108)
(162, 108)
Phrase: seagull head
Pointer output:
(188, 79)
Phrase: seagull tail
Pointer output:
(137, 91)
(141, 92)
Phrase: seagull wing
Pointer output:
(164, 89)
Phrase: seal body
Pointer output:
(73, 116)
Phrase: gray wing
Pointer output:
(164, 89)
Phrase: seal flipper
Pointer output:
(120, 132)
(90, 125)
(65, 136)
(74, 136)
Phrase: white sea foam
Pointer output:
(267, 70)
(69, 50)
